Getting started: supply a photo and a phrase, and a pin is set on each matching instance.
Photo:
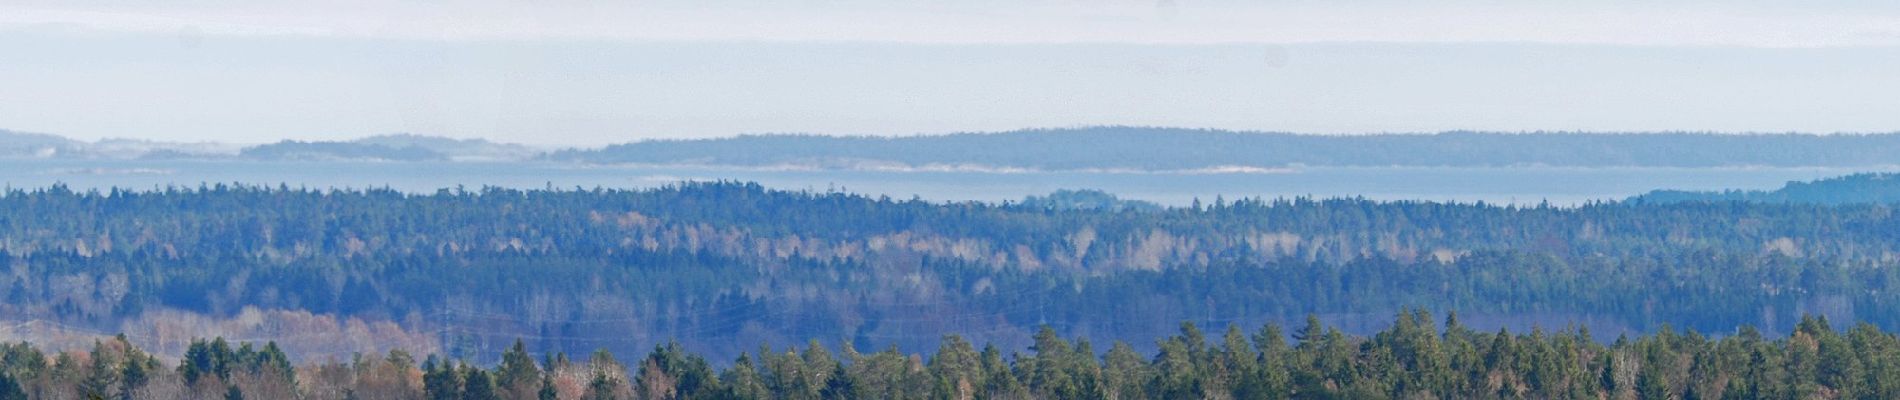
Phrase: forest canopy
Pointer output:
(724, 266)
(1415, 357)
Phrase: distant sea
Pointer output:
(1514, 185)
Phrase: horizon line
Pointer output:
(910, 135)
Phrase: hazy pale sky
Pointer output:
(597, 72)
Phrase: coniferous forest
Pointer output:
(733, 290)
(1415, 358)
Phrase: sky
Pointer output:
(591, 73)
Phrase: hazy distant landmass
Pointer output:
(27, 144)
(1175, 149)
(1851, 189)
(389, 147)
(1168, 166)
(1103, 149)
(453, 149)
(395, 147)
(296, 150)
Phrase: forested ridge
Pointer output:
(1851, 189)
(1414, 358)
(722, 267)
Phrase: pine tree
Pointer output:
(1047, 373)
(1175, 376)
(102, 375)
(478, 385)
(958, 369)
(440, 380)
(1310, 335)
(275, 364)
(547, 391)
(1237, 369)
(517, 375)
(838, 384)
(1125, 375)
(1276, 382)
(1001, 381)
(742, 380)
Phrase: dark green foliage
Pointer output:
(602, 387)
(204, 359)
(742, 380)
(958, 369)
(669, 371)
(477, 384)
(1412, 358)
(102, 375)
(838, 385)
(440, 380)
(547, 390)
(517, 375)
(10, 387)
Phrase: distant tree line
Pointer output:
(1414, 358)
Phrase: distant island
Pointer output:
(397, 147)
(1852, 189)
